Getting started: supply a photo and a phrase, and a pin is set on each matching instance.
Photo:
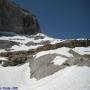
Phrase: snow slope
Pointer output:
(18, 76)
(68, 78)
(71, 78)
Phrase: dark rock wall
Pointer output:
(16, 19)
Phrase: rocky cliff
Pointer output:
(13, 18)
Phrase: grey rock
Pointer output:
(43, 66)
(5, 44)
(13, 18)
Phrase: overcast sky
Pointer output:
(61, 18)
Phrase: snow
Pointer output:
(70, 78)
(46, 38)
(23, 40)
(2, 50)
(40, 34)
(62, 51)
(82, 50)
(52, 40)
(82, 39)
(59, 60)
(18, 76)
(20, 39)
(23, 47)
(57, 41)
(3, 58)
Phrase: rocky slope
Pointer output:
(13, 18)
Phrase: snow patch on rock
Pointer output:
(82, 50)
(61, 51)
(59, 60)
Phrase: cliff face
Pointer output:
(16, 19)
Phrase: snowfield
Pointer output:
(70, 78)
(82, 50)
(74, 77)
(18, 76)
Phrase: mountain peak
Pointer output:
(14, 18)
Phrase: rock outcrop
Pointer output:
(13, 18)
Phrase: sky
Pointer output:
(61, 18)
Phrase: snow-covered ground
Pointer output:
(62, 51)
(3, 58)
(17, 76)
(82, 50)
(70, 78)
(23, 47)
